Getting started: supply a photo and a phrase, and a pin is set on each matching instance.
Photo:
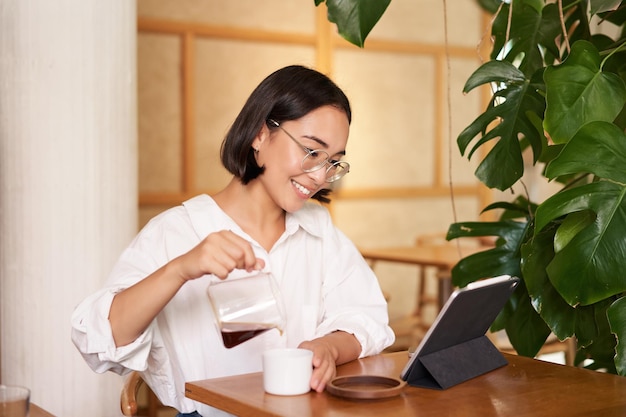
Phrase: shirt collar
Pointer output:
(304, 218)
(204, 222)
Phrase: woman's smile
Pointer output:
(301, 188)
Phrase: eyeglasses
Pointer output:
(316, 159)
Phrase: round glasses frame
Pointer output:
(316, 159)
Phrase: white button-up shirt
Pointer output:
(325, 283)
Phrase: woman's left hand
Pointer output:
(328, 352)
(324, 356)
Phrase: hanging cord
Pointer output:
(449, 105)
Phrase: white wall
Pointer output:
(68, 193)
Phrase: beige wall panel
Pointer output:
(399, 283)
(393, 222)
(146, 213)
(423, 21)
(276, 15)
(465, 22)
(464, 109)
(392, 134)
(226, 74)
(159, 112)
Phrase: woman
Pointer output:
(283, 149)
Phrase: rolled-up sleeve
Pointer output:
(91, 334)
(91, 329)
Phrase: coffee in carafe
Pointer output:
(246, 307)
(236, 333)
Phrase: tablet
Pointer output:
(456, 341)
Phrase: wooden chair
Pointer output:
(128, 398)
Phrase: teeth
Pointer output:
(301, 188)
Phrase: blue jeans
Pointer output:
(194, 414)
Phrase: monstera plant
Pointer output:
(559, 93)
(557, 71)
(355, 18)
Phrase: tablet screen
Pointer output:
(467, 315)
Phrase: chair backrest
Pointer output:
(128, 397)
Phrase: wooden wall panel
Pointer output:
(160, 113)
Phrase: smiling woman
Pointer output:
(199, 59)
(290, 94)
(152, 315)
(328, 127)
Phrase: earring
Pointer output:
(256, 150)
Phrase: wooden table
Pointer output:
(36, 411)
(524, 387)
(443, 257)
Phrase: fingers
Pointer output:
(323, 371)
(239, 253)
(218, 254)
(324, 368)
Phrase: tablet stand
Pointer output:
(451, 366)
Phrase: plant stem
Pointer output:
(611, 53)
(563, 28)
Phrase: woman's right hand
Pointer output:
(218, 254)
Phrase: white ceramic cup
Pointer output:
(287, 371)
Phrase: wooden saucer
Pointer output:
(365, 386)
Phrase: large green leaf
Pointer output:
(490, 6)
(599, 341)
(599, 6)
(532, 31)
(592, 251)
(521, 207)
(617, 320)
(564, 320)
(589, 267)
(355, 18)
(578, 92)
(510, 107)
(504, 258)
(558, 314)
(525, 329)
(587, 323)
(598, 148)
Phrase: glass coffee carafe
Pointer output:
(246, 307)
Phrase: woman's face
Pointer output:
(325, 128)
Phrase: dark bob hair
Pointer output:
(287, 94)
